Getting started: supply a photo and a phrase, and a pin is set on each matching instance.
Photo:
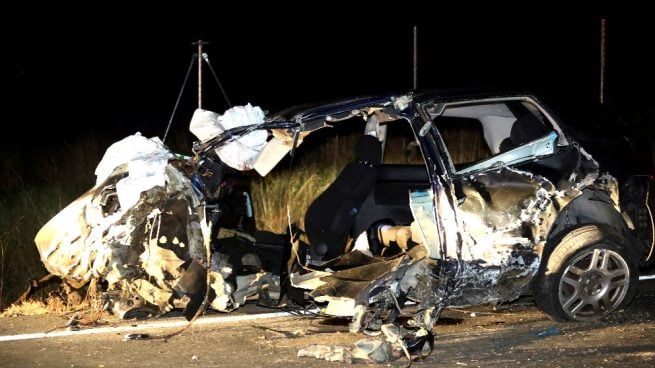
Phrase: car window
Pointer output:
(486, 134)
(400, 146)
(464, 139)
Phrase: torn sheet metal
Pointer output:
(505, 216)
(149, 247)
(152, 254)
(394, 342)
(540, 147)
(483, 233)
(142, 250)
(276, 149)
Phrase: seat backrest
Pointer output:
(526, 128)
(330, 217)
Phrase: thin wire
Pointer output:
(395, 302)
(179, 96)
(211, 68)
(652, 226)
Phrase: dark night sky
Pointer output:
(116, 75)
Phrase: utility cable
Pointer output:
(211, 68)
(179, 96)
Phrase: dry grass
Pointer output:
(465, 144)
(32, 307)
(285, 193)
(33, 188)
(22, 213)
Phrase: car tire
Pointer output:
(590, 273)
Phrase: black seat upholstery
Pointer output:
(526, 128)
(330, 217)
(506, 145)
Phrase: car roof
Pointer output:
(462, 94)
(314, 111)
(343, 107)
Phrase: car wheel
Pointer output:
(589, 274)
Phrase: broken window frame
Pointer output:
(561, 139)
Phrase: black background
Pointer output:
(111, 74)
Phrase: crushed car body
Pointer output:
(515, 207)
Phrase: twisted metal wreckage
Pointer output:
(151, 230)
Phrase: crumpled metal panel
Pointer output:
(487, 251)
(143, 250)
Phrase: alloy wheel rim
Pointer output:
(594, 284)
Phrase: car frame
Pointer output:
(535, 217)
(577, 253)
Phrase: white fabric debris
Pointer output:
(205, 124)
(146, 160)
(241, 153)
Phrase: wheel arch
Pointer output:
(594, 208)
(581, 235)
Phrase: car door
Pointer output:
(500, 208)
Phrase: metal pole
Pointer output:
(199, 74)
(200, 44)
(415, 63)
(602, 60)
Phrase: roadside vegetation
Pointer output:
(34, 186)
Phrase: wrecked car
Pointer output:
(496, 201)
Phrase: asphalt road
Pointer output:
(512, 335)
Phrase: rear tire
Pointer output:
(590, 273)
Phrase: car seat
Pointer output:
(526, 128)
(329, 219)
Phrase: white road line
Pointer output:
(646, 277)
(152, 325)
